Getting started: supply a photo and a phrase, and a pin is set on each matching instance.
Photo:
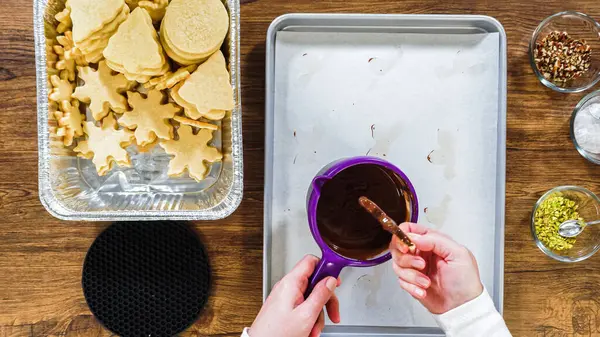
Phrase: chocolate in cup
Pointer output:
(346, 234)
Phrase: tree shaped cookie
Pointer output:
(105, 145)
(102, 90)
(190, 109)
(149, 117)
(135, 46)
(90, 16)
(191, 152)
(209, 87)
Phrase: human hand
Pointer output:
(286, 313)
(442, 274)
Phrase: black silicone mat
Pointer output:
(146, 278)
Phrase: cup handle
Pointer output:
(325, 268)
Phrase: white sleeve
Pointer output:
(245, 333)
(475, 318)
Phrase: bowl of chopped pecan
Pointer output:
(565, 52)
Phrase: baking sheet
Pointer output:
(429, 102)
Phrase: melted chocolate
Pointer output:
(344, 225)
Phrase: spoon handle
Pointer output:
(592, 222)
(386, 222)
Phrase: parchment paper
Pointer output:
(427, 103)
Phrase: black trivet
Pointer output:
(146, 278)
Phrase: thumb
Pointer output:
(438, 244)
(317, 299)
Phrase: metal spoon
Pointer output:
(572, 228)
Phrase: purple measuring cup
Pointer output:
(332, 263)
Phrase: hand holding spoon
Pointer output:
(572, 228)
(386, 222)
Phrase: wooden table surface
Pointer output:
(41, 257)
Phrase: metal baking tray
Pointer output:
(70, 189)
(285, 243)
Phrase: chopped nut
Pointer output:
(560, 58)
(552, 212)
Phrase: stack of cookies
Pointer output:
(135, 49)
(192, 30)
(207, 93)
(94, 22)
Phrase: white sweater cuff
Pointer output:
(477, 317)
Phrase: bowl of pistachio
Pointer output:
(557, 206)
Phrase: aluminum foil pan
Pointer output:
(70, 189)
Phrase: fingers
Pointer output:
(409, 227)
(413, 290)
(318, 298)
(304, 268)
(333, 309)
(397, 244)
(408, 260)
(412, 276)
(318, 327)
(438, 244)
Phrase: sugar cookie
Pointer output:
(135, 49)
(70, 51)
(67, 69)
(195, 123)
(90, 16)
(64, 19)
(209, 87)
(95, 40)
(105, 145)
(61, 91)
(191, 152)
(70, 122)
(190, 110)
(155, 8)
(149, 117)
(195, 28)
(102, 90)
(146, 71)
(169, 79)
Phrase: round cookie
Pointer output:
(197, 28)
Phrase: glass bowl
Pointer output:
(579, 26)
(588, 242)
(588, 149)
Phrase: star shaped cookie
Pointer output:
(70, 122)
(149, 117)
(191, 152)
(105, 145)
(102, 90)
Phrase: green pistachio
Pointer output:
(553, 211)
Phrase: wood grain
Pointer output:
(41, 257)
